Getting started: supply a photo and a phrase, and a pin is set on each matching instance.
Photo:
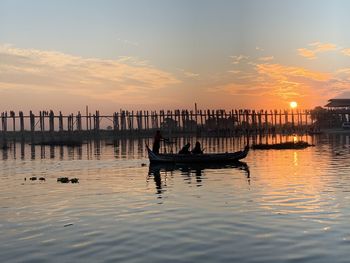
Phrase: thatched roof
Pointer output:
(338, 103)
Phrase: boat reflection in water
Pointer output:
(189, 170)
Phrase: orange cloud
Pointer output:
(278, 71)
(307, 53)
(277, 82)
(238, 89)
(128, 78)
(234, 71)
(323, 47)
(316, 47)
(289, 82)
(346, 51)
(344, 75)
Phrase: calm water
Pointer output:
(283, 206)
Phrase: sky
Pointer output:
(162, 54)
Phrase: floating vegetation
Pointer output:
(66, 180)
(63, 180)
(74, 180)
(282, 146)
(34, 178)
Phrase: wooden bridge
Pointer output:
(146, 122)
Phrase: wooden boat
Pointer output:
(197, 158)
(282, 146)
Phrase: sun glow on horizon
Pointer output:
(293, 104)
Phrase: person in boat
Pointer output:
(185, 149)
(156, 142)
(197, 149)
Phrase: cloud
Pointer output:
(238, 59)
(343, 77)
(346, 51)
(234, 71)
(128, 42)
(266, 58)
(188, 74)
(239, 89)
(307, 53)
(278, 71)
(323, 47)
(277, 82)
(290, 82)
(126, 78)
(315, 48)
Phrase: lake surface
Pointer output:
(282, 206)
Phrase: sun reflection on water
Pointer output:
(295, 158)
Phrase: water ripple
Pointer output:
(292, 206)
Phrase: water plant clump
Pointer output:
(63, 180)
(66, 180)
(74, 180)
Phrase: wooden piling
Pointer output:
(51, 121)
(32, 121)
(13, 116)
(60, 122)
(21, 121)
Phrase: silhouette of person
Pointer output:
(197, 148)
(156, 142)
(185, 149)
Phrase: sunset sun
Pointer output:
(293, 104)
